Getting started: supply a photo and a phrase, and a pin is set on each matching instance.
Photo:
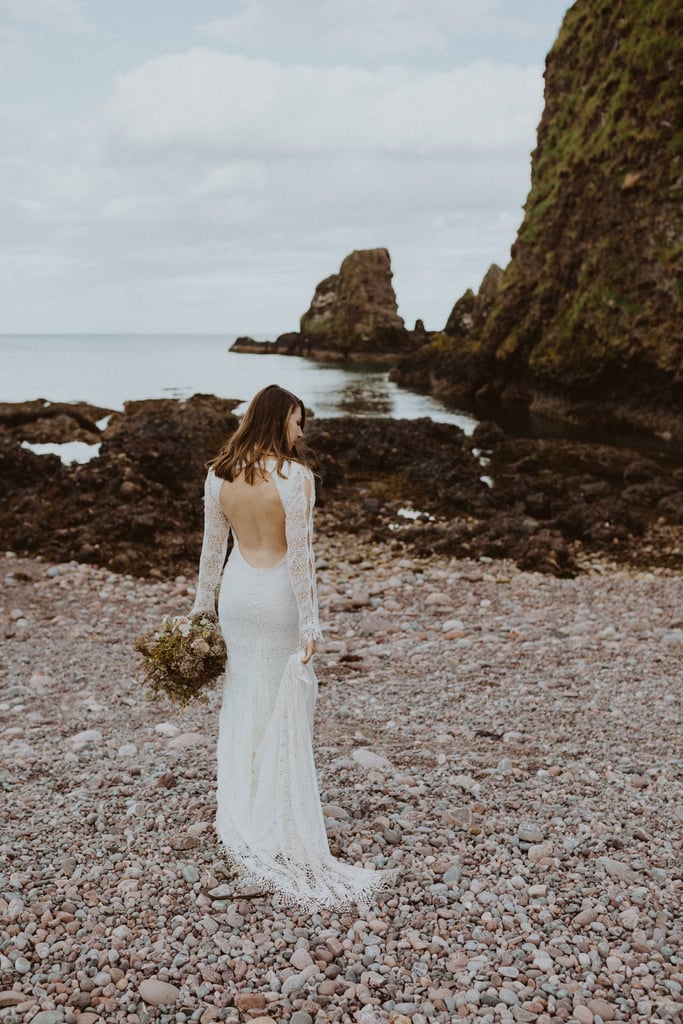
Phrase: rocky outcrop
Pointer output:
(354, 313)
(135, 507)
(353, 316)
(548, 504)
(40, 421)
(590, 307)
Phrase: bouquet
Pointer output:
(183, 657)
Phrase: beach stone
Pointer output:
(629, 918)
(461, 816)
(262, 1020)
(301, 1017)
(336, 812)
(608, 1011)
(127, 750)
(527, 833)
(453, 875)
(48, 1017)
(22, 965)
(83, 739)
(188, 739)
(539, 851)
(616, 869)
(190, 874)
(368, 759)
(166, 729)
(250, 1001)
(301, 959)
(294, 983)
(585, 918)
(583, 1014)
(9, 997)
(158, 993)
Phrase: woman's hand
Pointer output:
(308, 652)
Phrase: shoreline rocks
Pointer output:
(551, 505)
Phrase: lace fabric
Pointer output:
(269, 817)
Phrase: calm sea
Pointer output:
(109, 369)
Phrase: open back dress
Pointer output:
(269, 818)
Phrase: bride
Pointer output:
(269, 818)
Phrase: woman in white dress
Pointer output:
(269, 817)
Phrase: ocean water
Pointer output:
(110, 369)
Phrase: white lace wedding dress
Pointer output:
(269, 817)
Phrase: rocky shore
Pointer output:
(509, 740)
(548, 504)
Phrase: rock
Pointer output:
(368, 759)
(245, 1001)
(300, 1017)
(608, 1011)
(629, 918)
(585, 918)
(617, 869)
(527, 833)
(48, 1017)
(301, 959)
(88, 737)
(353, 313)
(166, 729)
(539, 851)
(453, 875)
(22, 965)
(294, 983)
(190, 874)
(158, 993)
(188, 739)
(9, 997)
(583, 1015)
(336, 812)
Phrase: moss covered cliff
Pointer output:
(590, 306)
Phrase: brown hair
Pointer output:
(262, 434)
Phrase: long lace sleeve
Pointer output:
(214, 546)
(300, 557)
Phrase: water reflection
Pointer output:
(359, 397)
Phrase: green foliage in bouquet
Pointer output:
(183, 658)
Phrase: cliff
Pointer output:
(590, 307)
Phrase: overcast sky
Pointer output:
(200, 166)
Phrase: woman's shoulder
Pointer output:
(212, 483)
(290, 469)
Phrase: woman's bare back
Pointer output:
(257, 518)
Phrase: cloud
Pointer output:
(232, 104)
(14, 55)
(212, 191)
(62, 15)
(378, 29)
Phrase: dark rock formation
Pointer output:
(353, 316)
(41, 421)
(137, 507)
(590, 307)
(354, 312)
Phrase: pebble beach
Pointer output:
(509, 741)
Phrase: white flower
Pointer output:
(182, 625)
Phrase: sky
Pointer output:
(199, 167)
